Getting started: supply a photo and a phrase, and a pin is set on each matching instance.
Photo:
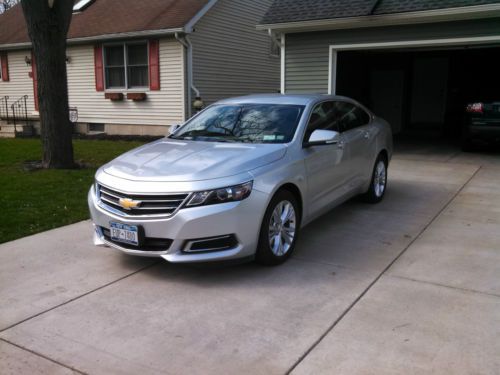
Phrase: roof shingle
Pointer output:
(110, 17)
(307, 10)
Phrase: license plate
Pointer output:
(124, 233)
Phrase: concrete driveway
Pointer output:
(407, 286)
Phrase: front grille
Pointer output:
(147, 205)
(148, 243)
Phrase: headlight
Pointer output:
(223, 195)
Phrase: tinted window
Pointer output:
(255, 123)
(363, 116)
(351, 116)
(324, 117)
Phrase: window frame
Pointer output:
(124, 46)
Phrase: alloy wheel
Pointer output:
(380, 179)
(282, 228)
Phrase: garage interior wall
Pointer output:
(421, 91)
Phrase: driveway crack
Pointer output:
(43, 356)
(443, 285)
(78, 297)
(374, 281)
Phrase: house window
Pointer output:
(126, 65)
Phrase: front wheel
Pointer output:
(279, 230)
(378, 183)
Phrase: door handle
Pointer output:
(340, 145)
(366, 135)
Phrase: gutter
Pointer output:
(102, 38)
(186, 42)
(428, 16)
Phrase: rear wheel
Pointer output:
(378, 184)
(279, 230)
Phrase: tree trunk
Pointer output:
(48, 29)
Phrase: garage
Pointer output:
(422, 92)
(415, 63)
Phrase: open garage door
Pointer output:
(422, 90)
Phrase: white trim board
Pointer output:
(377, 20)
(335, 48)
(283, 65)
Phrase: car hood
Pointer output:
(172, 160)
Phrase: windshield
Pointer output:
(252, 123)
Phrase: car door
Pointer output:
(357, 136)
(325, 165)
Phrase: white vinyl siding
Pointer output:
(19, 83)
(163, 107)
(230, 56)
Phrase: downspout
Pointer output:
(274, 40)
(184, 40)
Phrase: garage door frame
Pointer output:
(447, 42)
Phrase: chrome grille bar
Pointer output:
(155, 205)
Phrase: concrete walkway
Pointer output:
(407, 286)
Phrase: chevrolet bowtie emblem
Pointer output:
(128, 204)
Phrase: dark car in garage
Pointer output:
(482, 124)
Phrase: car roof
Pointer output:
(291, 99)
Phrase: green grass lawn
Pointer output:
(34, 201)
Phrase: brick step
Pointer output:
(8, 130)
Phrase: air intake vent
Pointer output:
(219, 243)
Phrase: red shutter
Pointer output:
(5, 67)
(154, 64)
(98, 68)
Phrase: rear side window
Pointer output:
(351, 116)
(336, 115)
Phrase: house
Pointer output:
(136, 67)
(415, 63)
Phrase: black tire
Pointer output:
(373, 195)
(265, 254)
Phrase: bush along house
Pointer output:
(138, 67)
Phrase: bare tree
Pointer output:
(48, 24)
(7, 4)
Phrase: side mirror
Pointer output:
(173, 128)
(322, 137)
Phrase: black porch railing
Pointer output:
(4, 108)
(20, 112)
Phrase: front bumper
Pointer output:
(241, 219)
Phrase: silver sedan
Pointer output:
(241, 178)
